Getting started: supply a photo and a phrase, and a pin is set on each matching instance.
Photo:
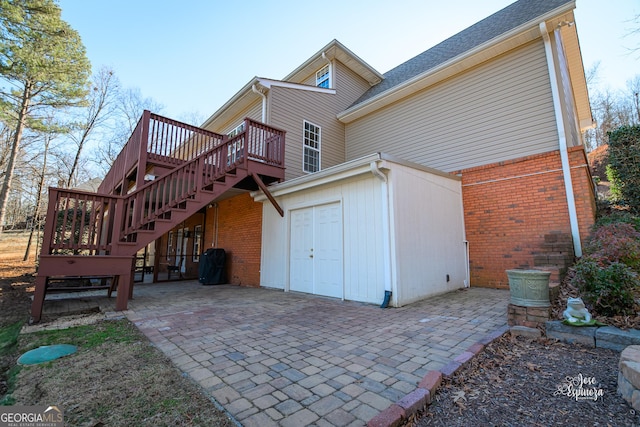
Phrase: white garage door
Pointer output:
(316, 250)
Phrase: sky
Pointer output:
(191, 56)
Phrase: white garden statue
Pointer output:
(576, 311)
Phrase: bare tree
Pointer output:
(35, 218)
(128, 108)
(101, 99)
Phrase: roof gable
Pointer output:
(334, 50)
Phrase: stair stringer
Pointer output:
(162, 226)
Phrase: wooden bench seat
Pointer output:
(55, 287)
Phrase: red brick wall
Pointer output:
(583, 190)
(510, 206)
(239, 233)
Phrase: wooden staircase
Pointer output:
(98, 234)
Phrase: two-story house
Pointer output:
(458, 164)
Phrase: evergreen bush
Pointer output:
(607, 287)
(624, 162)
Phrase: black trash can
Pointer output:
(211, 268)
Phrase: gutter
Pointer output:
(564, 154)
(386, 230)
(264, 102)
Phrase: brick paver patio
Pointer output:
(272, 358)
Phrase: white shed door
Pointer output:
(316, 250)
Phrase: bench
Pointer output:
(85, 285)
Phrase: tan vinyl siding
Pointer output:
(311, 80)
(349, 86)
(253, 112)
(500, 110)
(570, 115)
(289, 109)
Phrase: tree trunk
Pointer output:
(36, 211)
(76, 160)
(15, 145)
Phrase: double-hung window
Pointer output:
(323, 77)
(311, 148)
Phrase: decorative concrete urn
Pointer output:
(529, 288)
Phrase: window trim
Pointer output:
(306, 146)
(322, 77)
(238, 129)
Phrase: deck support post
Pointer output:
(267, 193)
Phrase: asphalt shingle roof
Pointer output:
(493, 26)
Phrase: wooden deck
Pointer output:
(165, 173)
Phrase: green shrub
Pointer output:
(615, 242)
(624, 162)
(614, 216)
(615, 193)
(608, 288)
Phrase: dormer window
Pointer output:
(323, 77)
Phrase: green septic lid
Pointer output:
(46, 353)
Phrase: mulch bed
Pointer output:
(518, 381)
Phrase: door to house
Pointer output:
(181, 249)
(316, 265)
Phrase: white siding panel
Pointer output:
(497, 111)
(428, 233)
(274, 248)
(363, 241)
(362, 248)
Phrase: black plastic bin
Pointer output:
(211, 268)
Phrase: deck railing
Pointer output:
(79, 223)
(161, 140)
(258, 142)
(83, 223)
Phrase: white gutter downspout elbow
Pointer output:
(386, 220)
(564, 154)
(264, 103)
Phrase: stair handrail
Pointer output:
(94, 223)
(157, 136)
(202, 171)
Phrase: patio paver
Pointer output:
(276, 358)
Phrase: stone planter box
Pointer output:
(529, 288)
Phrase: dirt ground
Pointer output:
(112, 384)
(521, 382)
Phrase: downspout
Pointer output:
(386, 247)
(264, 102)
(330, 69)
(564, 153)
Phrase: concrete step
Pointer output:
(552, 260)
(555, 237)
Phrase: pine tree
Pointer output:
(43, 66)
